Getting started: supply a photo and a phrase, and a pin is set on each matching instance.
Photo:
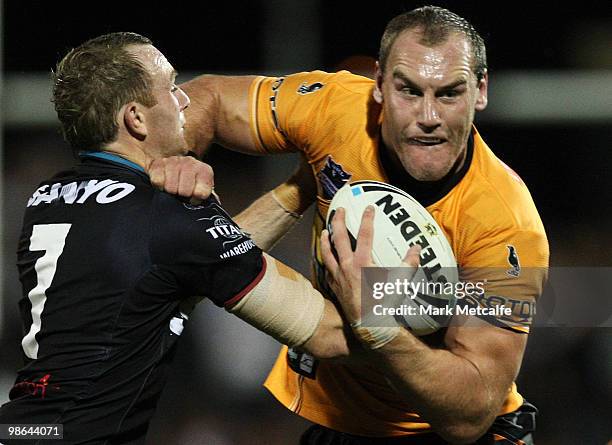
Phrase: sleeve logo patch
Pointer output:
(331, 178)
(513, 260)
(223, 228)
(305, 88)
(235, 241)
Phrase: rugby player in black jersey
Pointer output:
(108, 262)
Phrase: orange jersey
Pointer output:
(486, 212)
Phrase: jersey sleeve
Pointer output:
(511, 265)
(284, 110)
(203, 251)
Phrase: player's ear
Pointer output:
(134, 120)
(378, 77)
(482, 94)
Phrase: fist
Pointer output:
(183, 176)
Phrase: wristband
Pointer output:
(288, 201)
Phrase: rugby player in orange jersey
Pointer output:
(411, 126)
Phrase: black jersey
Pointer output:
(106, 262)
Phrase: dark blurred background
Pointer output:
(549, 117)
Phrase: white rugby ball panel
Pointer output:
(400, 222)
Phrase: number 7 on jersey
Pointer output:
(51, 238)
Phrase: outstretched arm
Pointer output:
(283, 304)
(218, 113)
(267, 219)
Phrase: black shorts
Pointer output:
(514, 428)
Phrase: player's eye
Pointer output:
(410, 91)
(448, 94)
(174, 88)
(452, 93)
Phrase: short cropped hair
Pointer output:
(435, 25)
(91, 84)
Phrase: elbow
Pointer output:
(202, 113)
(468, 425)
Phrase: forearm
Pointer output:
(285, 305)
(450, 391)
(331, 338)
(270, 217)
(202, 115)
(218, 112)
(266, 221)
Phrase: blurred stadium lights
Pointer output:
(521, 97)
(550, 96)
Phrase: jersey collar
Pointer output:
(426, 193)
(112, 158)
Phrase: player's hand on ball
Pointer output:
(344, 273)
(183, 176)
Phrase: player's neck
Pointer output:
(128, 151)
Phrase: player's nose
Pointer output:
(183, 99)
(429, 115)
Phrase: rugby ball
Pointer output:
(399, 223)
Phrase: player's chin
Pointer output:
(182, 143)
(428, 166)
(429, 173)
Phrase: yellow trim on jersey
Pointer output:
(253, 113)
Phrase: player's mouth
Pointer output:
(426, 141)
